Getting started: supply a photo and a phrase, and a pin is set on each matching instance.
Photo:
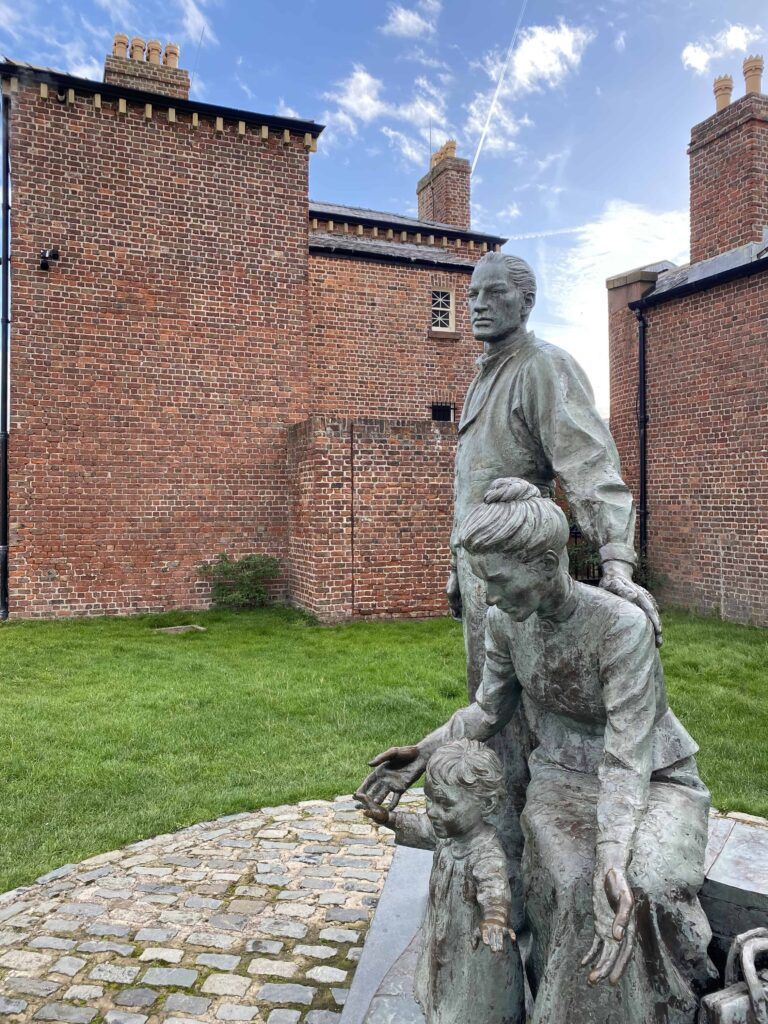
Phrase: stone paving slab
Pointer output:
(256, 917)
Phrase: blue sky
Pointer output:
(584, 161)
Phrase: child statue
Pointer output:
(466, 971)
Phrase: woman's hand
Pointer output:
(394, 771)
(614, 926)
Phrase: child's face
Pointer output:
(452, 810)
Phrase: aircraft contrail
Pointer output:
(492, 108)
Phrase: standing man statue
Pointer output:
(530, 413)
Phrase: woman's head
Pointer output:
(516, 541)
(464, 785)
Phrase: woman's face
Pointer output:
(518, 588)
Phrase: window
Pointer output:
(442, 311)
(444, 412)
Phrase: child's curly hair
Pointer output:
(471, 765)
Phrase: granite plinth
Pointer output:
(395, 924)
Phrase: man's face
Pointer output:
(496, 307)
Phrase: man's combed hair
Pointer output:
(519, 272)
(514, 518)
(472, 766)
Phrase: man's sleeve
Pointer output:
(559, 409)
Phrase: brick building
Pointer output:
(689, 375)
(216, 363)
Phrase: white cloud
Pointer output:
(360, 99)
(12, 19)
(195, 25)
(284, 110)
(546, 56)
(410, 149)
(410, 23)
(122, 11)
(734, 39)
(91, 68)
(543, 59)
(509, 212)
(572, 275)
(620, 42)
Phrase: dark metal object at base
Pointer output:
(741, 1002)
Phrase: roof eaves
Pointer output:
(377, 218)
(59, 79)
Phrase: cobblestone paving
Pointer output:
(256, 917)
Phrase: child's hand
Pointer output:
(376, 812)
(492, 933)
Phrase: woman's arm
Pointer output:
(628, 676)
(398, 768)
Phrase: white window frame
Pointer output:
(434, 309)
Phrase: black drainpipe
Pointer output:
(642, 422)
(5, 259)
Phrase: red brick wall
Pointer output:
(707, 373)
(371, 516)
(158, 364)
(729, 178)
(444, 193)
(370, 348)
(140, 74)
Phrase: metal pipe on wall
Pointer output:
(642, 422)
(5, 265)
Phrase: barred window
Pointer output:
(442, 311)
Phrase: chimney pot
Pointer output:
(171, 55)
(753, 73)
(446, 151)
(137, 48)
(153, 51)
(722, 89)
(120, 46)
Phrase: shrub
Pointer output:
(239, 582)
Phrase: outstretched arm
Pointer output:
(399, 767)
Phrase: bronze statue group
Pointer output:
(565, 798)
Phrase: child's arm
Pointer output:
(493, 896)
(410, 829)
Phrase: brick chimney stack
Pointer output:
(147, 68)
(444, 190)
(729, 169)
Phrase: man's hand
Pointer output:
(617, 579)
(614, 939)
(454, 595)
(394, 771)
(493, 934)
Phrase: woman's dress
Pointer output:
(611, 765)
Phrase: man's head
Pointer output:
(501, 296)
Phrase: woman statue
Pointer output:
(615, 820)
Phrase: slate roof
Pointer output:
(740, 262)
(361, 215)
(355, 246)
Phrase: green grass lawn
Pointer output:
(110, 732)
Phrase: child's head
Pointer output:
(464, 785)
